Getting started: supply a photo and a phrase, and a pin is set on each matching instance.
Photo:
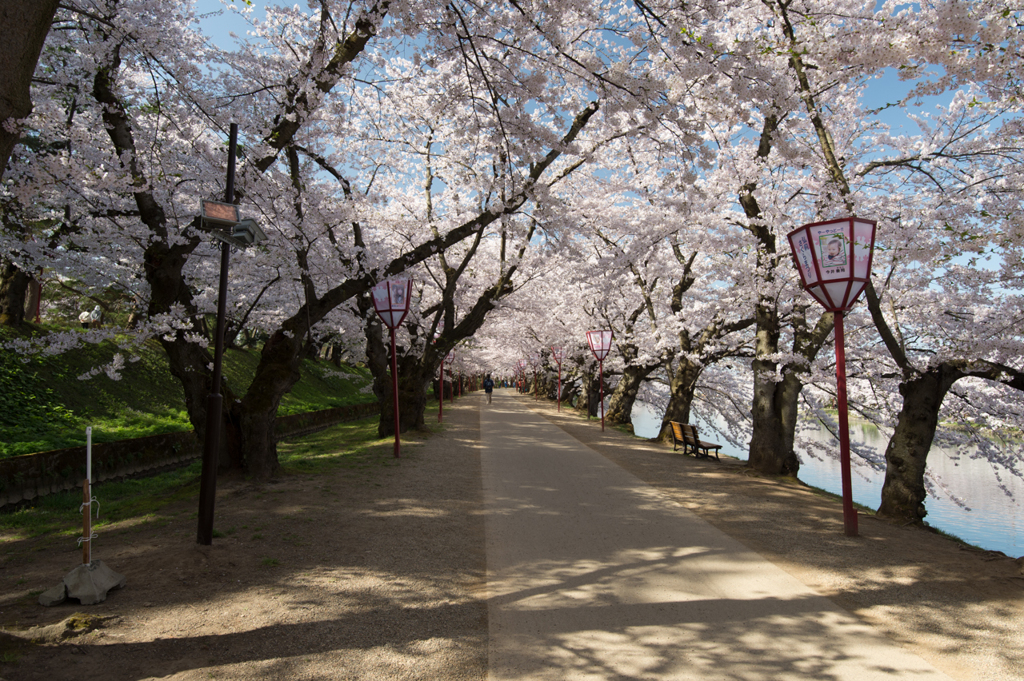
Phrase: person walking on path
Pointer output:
(489, 387)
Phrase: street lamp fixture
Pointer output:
(226, 224)
(600, 344)
(834, 261)
(218, 213)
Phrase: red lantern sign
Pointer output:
(391, 301)
(834, 259)
(600, 344)
(449, 358)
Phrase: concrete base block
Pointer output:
(54, 596)
(87, 583)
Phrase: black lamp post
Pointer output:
(558, 354)
(226, 226)
(600, 344)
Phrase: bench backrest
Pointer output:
(677, 431)
(690, 434)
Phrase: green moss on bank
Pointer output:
(46, 402)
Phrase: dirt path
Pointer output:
(366, 573)
(377, 573)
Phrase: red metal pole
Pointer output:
(394, 390)
(440, 396)
(559, 395)
(600, 391)
(849, 512)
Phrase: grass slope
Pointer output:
(354, 445)
(47, 402)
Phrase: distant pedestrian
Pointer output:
(489, 387)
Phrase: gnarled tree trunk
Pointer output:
(24, 25)
(277, 373)
(13, 286)
(903, 492)
(773, 404)
(589, 402)
(620, 404)
(682, 385)
(412, 386)
(34, 298)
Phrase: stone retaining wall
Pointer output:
(24, 478)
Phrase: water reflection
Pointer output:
(986, 516)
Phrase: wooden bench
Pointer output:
(686, 435)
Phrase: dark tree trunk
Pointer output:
(413, 388)
(775, 403)
(769, 452)
(682, 385)
(771, 448)
(24, 25)
(551, 388)
(186, 361)
(774, 420)
(13, 286)
(903, 491)
(33, 299)
(589, 400)
(277, 372)
(413, 382)
(620, 404)
(570, 390)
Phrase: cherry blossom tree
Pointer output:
(510, 157)
(939, 188)
(25, 24)
(145, 121)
